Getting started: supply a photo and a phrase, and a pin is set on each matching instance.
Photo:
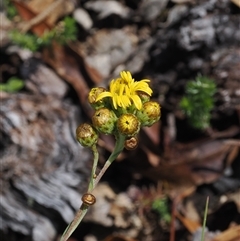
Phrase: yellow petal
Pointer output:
(121, 90)
(137, 101)
(112, 83)
(125, 101)
(123, 75)
(127, 77)
(142, 86)
(114, 101)
(103, 95)
(145, 80)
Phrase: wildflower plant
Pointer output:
(198, 102)
(161, 207)
(13, 84)
(64, 32)
(120, 111)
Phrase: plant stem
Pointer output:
(84, 208)
(74, 224)
(95, 162)
(204, 219)
(92, 184)
(118, 148)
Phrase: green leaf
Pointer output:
(14, 84)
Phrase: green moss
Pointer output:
(161, 207)
(198, 102)
(65, 31)
(10, 9)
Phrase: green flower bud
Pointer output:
(143, 96)
(104, 120)
(86, 135)
(128, 125)
(149, 114)
(92, 96)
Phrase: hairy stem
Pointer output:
(95, 162)
(92, 184)
(205, 219)
(117, 150)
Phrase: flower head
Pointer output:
(86, 135)
(104, 120)
(128, 125)
(149, 114)
(124, 91)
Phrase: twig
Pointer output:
(41, 16)
(173, 219)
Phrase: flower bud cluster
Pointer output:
(121, 110)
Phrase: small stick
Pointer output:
(40, 17)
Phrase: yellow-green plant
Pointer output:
(198, 101)
(14, 84)
(160, 205)
(10, 10)
(64, 32)
(120, 111)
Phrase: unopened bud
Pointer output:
(88, 199)
(143, 96)
(131, 143)
(104, 120)
(149, 114)
(128, 125)
(86, 135)
(92, 96)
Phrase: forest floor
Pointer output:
(53, 53)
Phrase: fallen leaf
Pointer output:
(94, 75)
(62, 9)
(67, 65)
(193, 164)
(27, 14)
(235, 197)
(189, 224)
(231, 234)
(237, 2)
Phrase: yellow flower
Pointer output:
(124, 91)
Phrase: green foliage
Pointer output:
(65, 31)
(68, 32)
(14, 84)
(28, 41)
(198, 101)
(11, 11)
(161, 207)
